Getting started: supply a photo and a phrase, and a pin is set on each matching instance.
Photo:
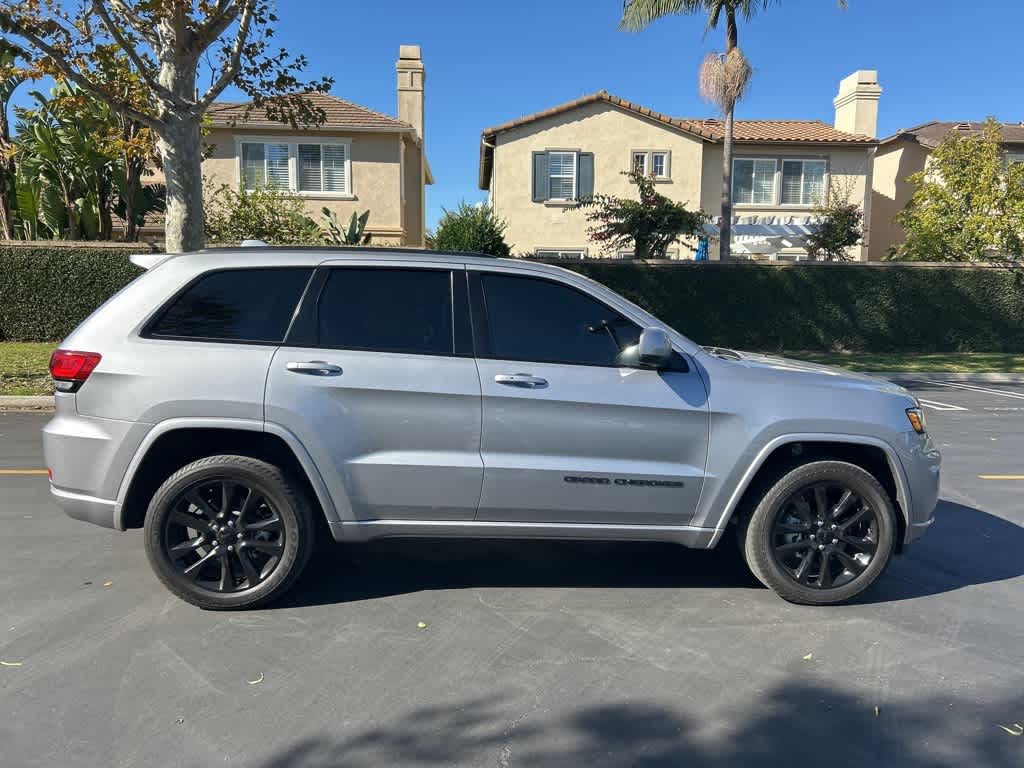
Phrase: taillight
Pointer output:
(69, 369)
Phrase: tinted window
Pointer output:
(387, 310)
(532, 319)
(235, 305)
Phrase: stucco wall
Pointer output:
(376, 176)
(610, 134)
(413, 194)
(848, 171)
(891, 192)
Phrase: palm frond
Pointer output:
(639, 14)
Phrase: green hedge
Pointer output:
(46, 291)
(829, 307)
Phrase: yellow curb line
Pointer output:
(23, 472)
(1001, 477)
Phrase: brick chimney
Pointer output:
(857, 103)
(410, 86)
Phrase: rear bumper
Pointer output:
(87, 508)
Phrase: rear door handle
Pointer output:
(523, 380)
(314, 368)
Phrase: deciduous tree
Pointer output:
(164, 41)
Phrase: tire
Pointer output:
(809, 563)
(265, 532)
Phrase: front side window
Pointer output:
(387, 310)
(254, 305)
(562, 175)
(538, 320)
(753, 181)
(803, 182)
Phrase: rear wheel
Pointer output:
(821, 534)
(229, 532)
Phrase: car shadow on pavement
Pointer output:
(814, 721)
(965, 546)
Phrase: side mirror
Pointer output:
(654, 349)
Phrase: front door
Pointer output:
(569, 434)
(378, 382)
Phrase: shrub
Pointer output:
(45, 291)
(272, 216)
(472, 228)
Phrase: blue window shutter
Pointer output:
(585, 175)
(540, 177)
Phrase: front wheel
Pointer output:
(229, 532)
(821, 534)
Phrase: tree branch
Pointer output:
(79, 79)
(136, 59)
(234, 60)
(227, 12)
(144, 31)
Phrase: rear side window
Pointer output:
(387, 310)
(538, 320)
(254, 305)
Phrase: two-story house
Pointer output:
(357, 160)
(905, 153)
(536, 166)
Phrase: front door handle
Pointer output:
(524, 380)
(314, 368)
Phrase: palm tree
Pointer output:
(11, 76)
(723, 77)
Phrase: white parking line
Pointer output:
(975, 388)
(940, 406)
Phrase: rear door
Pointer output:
(569, 434)
(378, 381)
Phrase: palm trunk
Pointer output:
(7, 170)
(725, 243)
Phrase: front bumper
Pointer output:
(922, 463)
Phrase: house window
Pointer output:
(640, 163)
(659, 165)
(753, 181)
(265, 166)
(322, 168)
(304, 168)
(803, 182)
(561, 175)
(553, 253)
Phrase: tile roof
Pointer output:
(744, 131)
(340, 114)
(930, 134)
(806, 131)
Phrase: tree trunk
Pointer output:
(180, 144)
(181, 149)
(725, 243)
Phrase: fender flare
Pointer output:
(895, 466)
(250, 425)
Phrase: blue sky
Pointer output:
(490, 62)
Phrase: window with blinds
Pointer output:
(318, 168)
(561, 175)
(803, 182)
(753, 181)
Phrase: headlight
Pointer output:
(916, 418)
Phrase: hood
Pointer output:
(829, 375)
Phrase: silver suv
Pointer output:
(236, 403)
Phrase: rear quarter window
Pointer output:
(246, 305)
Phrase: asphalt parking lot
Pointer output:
(533, 654)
